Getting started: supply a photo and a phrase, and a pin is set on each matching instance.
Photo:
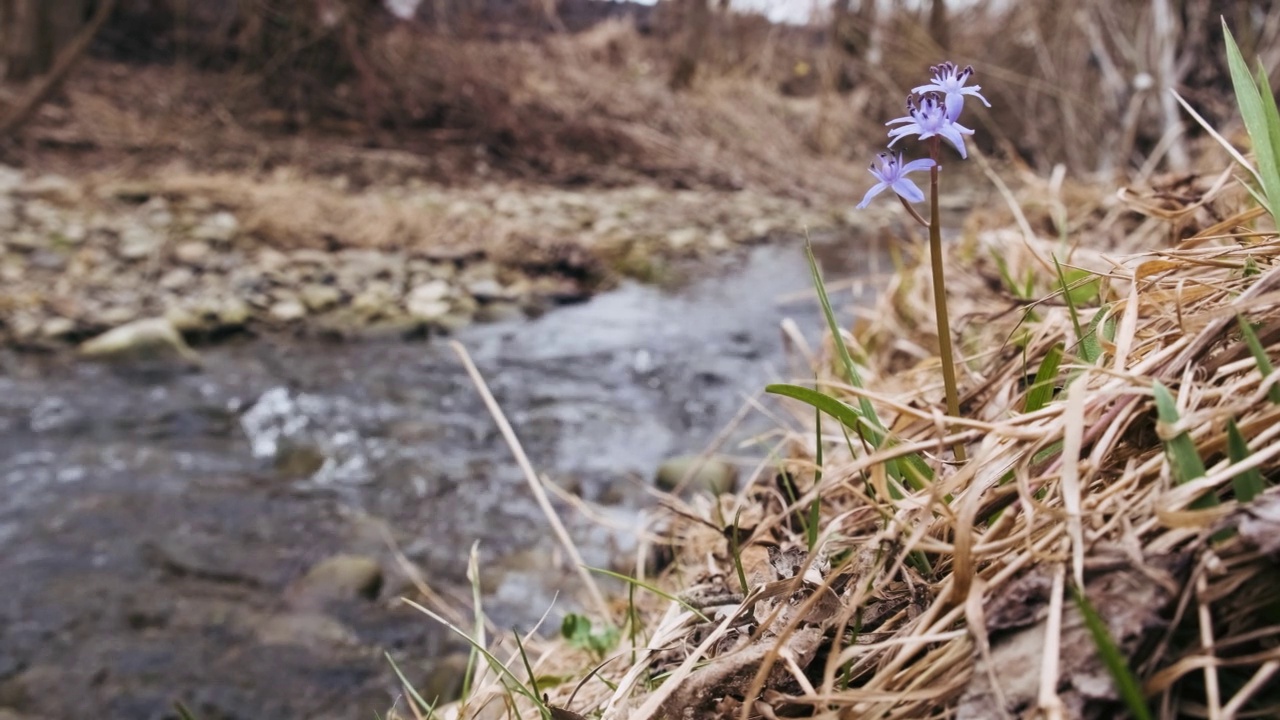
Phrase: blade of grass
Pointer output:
(1184, 459)
(874, 434)
(1066, 295)
(912, 468)
(815, 507)
(1259, 356)
(514, 685)
(1126, 682)
(1248, 484)
(1254, 113)
(538, 698)
(1042, 387)
(1090, 345)
(656, 591)
(423, 705)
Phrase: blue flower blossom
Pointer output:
(891, 173)
(929, 119)
(949, 80)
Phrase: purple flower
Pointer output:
(949, 80)
(891, 173)
(927, 120)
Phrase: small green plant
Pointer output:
(1126, 682)
(1261, 120)
(1248, 484)
(580, 633)
(1184, 459)
(512, 683)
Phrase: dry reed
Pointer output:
(955, 600)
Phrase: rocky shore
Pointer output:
(211, 255)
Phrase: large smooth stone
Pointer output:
(149, 341)
(704, 474)
(339, 578)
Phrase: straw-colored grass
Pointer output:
(957, 600)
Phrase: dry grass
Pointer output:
(955, 600)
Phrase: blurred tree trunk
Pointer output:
(35, 31)
(695, 15)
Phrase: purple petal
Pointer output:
(931, 87)
(874, 191)
(908, 190)
(974, 92)
(954, 137)
(955, 104)
(914, 165)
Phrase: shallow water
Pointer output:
(149, 525)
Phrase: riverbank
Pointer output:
(218, 254)
(1108, 545)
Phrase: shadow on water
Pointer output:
(152, 533)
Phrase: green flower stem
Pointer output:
(940, 296)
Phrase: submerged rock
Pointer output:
(696, 473)
(338, 578)
(150, 341)
(312, 630)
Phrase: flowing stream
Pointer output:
(152, 526)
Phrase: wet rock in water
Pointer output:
(153, 341)
(442, 677)
(500, 312)
(305, 629)
(299, 459)
(695, 473)
(338, 578)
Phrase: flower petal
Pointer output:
(914, 165)
(874, 191)
(954, 137)
(908, 190)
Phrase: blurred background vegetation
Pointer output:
(685, 92)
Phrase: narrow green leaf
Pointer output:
(875, 434)
(183, 712)
(538, 698)
(1259, 356)
(1084, 286)
(1249, 483)
(423, 705)
(827, 404)
(912, 469)
(815, 507)
(1184, 459)
(1126, 682)
(1041, 391)
(1090, 346)
(1254, 113)
(1066, 295)
(650, 588)
(1272, 115)
(512, 682)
